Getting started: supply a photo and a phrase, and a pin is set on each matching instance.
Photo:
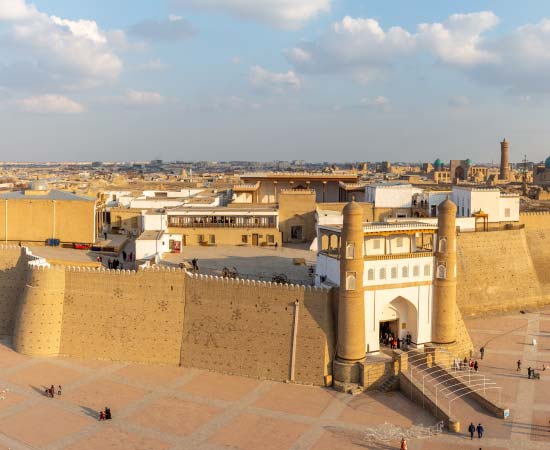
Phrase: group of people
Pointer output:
(387, 338)
(472, 429)
(531, 374)
(105, 415)
(50, 392)
(466, 364)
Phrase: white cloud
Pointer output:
(143, 98)
(75, 53)
(50, 104)
(280, 13)
(518, 60)
(458, 40)
(175, 28)
(354, 45)
(380, 103)
(155, 65)
(262, 79)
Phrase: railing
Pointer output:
(399, 256)
(221, 225)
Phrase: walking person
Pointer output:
(481, 352)
(59, 390)
(52, 391)
(476, 366)
(519, 365)
(480, 431)
(101, 415)
(529, 372)
(472, 430)
(403, 444)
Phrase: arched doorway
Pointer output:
(399, 318)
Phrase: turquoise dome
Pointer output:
(547, 163)
(438, 164)
(469, 161)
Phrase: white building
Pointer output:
(499, 206)
(391, 195)
(398, 277)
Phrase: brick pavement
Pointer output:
(174, 408)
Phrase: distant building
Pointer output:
(38, 214)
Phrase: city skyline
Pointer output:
(318, 80)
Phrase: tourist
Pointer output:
(529, 372)
(59, 390)
(403, 444)
(476, 366)
(519, 365)
(123, 255)
(480, 431)
(465, 363)
(52, 391)
(110, 264)
(471, 364)
(481, 352)
(101, 415)
(472, 430)
(107, 413)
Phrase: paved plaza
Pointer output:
(174, 408)
(259, 263)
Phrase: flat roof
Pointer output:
(52, 194)
(221, 211)
(150, 235)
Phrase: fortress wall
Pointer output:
(246, 328)
(535, 220)
(496, 272)
(38, 322)
(124, 315)
(13, 275)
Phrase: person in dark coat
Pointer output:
(107, 413)
(472, 430)
(480, 431)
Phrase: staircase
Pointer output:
(390, 384)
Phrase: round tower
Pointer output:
(444, 310)
(504, 164)
(350, 348)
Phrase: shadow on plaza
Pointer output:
(530, 429)
(90, 412)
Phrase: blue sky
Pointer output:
(321, 80)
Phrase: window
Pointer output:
(399, 242)
(441, 271)
(376, 244)
(370, 274)
(443, 245)
(382, 273)
(394, 272)
(244, 238)
(350, 281)
(350, 250)
(507, 212)
(427, 270)
(270, 238)
(404, 271)
(212, 238)
(416, 271)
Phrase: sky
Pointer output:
(315, 80)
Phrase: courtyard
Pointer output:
(176, 408)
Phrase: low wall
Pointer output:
(414, 393)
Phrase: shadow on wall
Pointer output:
(13, 277)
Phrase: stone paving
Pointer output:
(175, 408)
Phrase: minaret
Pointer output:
(504, 164)
(350, 348)
(444, 309)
